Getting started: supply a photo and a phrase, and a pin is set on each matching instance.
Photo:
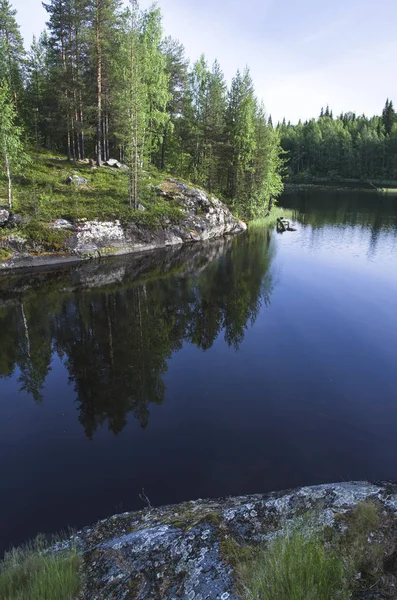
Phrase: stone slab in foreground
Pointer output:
(178, 552)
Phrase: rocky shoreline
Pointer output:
(203, 217)
(182, 552)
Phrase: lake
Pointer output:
(262, 362)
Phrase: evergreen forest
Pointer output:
(104, 82)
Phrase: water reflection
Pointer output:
(115, 339)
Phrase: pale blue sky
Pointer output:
(302, 54)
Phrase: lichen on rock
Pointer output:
(181, 552)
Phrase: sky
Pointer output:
(303, 54)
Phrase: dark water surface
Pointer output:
(259, 363)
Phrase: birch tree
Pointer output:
(12, 152)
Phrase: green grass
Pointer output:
(41, 192)
(294, 567)
(34, 573)
(270, 221)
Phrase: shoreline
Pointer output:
(202, 218)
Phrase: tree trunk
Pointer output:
(8, 179)
(99, 85)
(163, 146)
(82, 127)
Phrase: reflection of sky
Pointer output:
(303, 55)
(348, 247)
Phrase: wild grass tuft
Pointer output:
(294, 567)
(33, 572)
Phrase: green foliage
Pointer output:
(35, 572)
(349, 146)
(11, 147)
(294, 566)
(40, 235)
(5, 253)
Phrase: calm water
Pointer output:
(263, 362)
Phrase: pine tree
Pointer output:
(35, 89)
(214, 134)
(388, 116)
(12, 54)
(103, 17)
(240, 133)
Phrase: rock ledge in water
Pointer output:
(203, 218)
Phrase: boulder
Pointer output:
(16, 220)
(61, 224)
(112, 162)
(141, 207)
(4, 215)
(77, 180)
(187, 551)
(115, 164)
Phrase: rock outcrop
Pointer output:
(181, 552)
(4, 215)
(201, 217)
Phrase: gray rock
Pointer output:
(16, 220)
(141, 207)
(4, 215)
(112, 162)
(202, 218)
(61, 224)
(77, 180)
(176, 551)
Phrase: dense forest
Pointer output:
(349, 146)
(103, 82)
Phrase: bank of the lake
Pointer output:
(190, 216)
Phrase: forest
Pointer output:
(102, 81)
(347, 147)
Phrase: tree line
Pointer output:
(349, 146)
(102, 81)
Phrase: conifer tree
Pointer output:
(12, 54)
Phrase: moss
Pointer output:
(5, 254)
(40, 235)
(188, 517)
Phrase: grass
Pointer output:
(360, 543)
(294, 567)
(41, 192)
(354, 555)
(33, 572)
(270, 221)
